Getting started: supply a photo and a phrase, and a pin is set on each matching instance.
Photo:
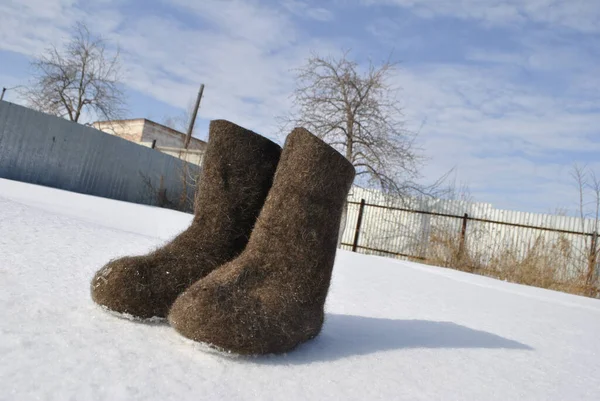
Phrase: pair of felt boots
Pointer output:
(251, 273)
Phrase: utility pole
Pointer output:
(188, 137)
(7, 89)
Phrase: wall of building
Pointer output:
(46, 150)
(193, 156)
(126, 129)
(146, 131)
(167, 137)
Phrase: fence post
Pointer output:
(592, 259)
(463, 234)
(358, 224)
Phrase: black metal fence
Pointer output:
(469, 243)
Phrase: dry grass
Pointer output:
(184, 201)
(552, 264)
(190, 177)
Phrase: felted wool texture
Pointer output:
(271, 298)
(236, 176)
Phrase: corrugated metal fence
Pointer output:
(41, 149)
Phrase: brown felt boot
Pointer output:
(271, 298)
(237, 174)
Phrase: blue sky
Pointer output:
(505, 91)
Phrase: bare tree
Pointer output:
(80, 79)
(587, 182)
(358, 113)
(588, 185)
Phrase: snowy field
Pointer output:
(394, 331)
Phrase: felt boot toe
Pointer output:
(120, 287)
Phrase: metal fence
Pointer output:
(474, 243)
(41, 149)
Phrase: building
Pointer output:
(157, 136)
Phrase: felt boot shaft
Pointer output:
(271, 297)
(237, 173)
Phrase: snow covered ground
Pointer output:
(394, 330)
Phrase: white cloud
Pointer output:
(395, 33)
(502, 136)
(243, 51)
(580, 15)
(304, 10)
(263, 26)
(246, 80)
(494, 56)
